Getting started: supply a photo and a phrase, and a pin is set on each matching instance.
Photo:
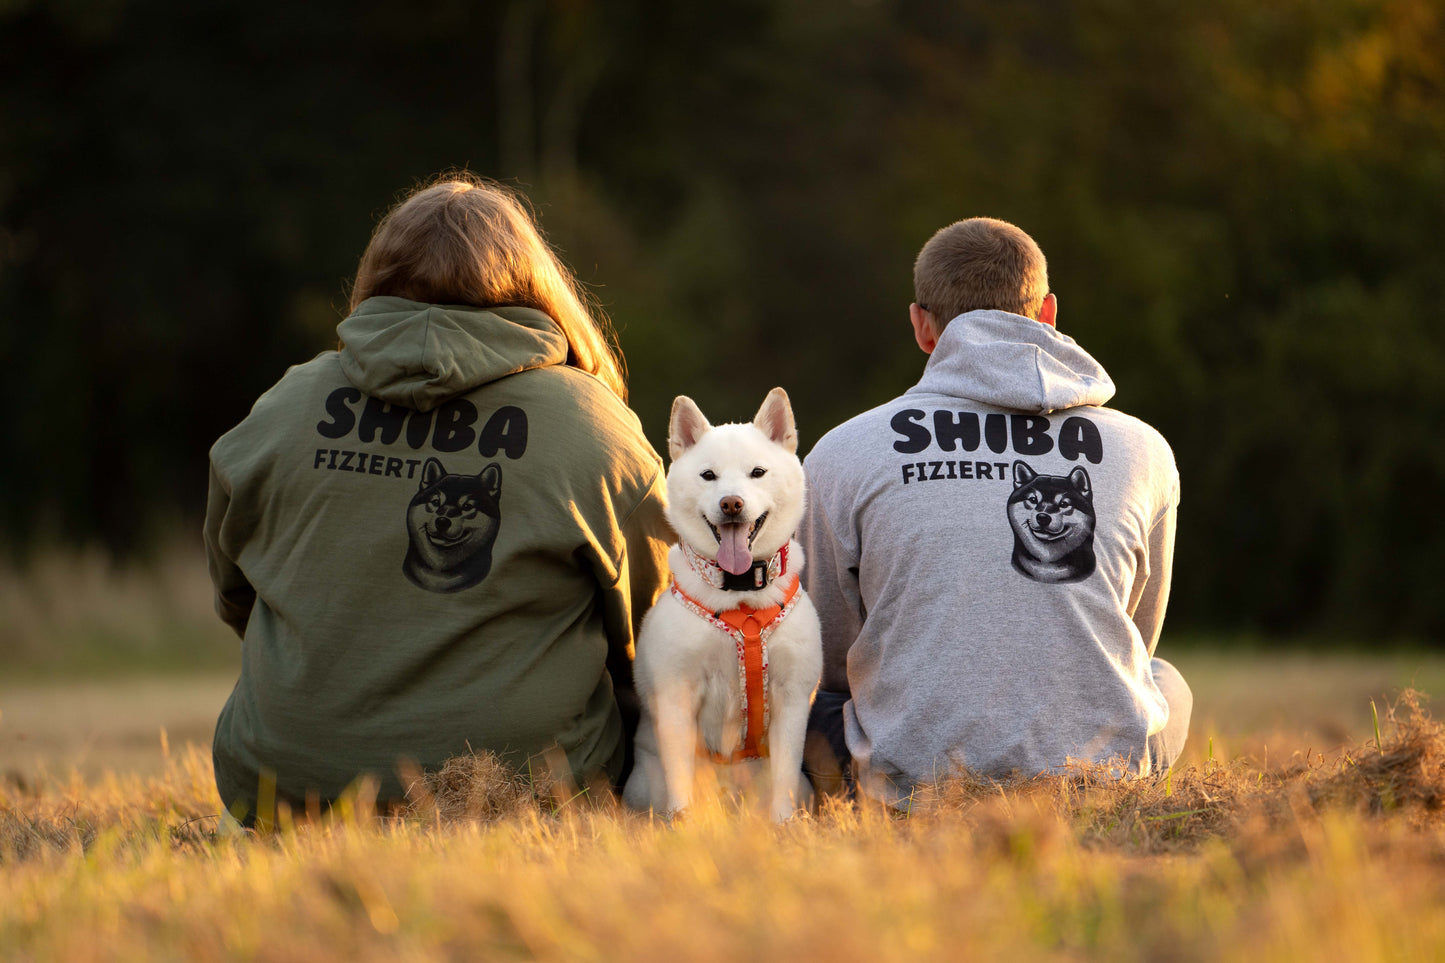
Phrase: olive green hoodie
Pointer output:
(438, 538)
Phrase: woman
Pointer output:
(439, 537)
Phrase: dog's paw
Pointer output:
(672, 817)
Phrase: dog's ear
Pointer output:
(687, 426)
(491, 477)
(1080, 480)
(775, 419)
(431, 472)
(1023, 474)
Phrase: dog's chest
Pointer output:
(722, 683)
(678, 643)
(719, 704)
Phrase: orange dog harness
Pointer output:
(750, 629)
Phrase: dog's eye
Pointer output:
(709, 475)
(759, 472)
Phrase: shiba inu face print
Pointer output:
(452, 523)
(1053, 524)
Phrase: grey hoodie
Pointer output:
(435, 540)
(990, 558)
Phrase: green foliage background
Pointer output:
(1240, 203)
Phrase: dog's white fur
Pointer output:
(686, 668)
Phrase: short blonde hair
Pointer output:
(980, 263)
(463, 239)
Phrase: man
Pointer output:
(990, 553)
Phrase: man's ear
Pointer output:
(1049, 313)
(923, 327)
(686, 427)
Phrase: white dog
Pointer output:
(728, 659)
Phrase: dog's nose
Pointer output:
(1042, 520)
(443, 523)
(731, 504)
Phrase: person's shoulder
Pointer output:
(596, 403)
(596, 415)
(1139, 432)
(304, 377)
(281, 400)
(842, 442)
(1151, 455)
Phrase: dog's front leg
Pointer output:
(677, 741)
(786, 731)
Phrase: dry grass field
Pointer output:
(1292, 830)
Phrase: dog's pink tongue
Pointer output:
(732, 551)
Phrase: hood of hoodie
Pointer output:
(419, 355)
(1010, 361)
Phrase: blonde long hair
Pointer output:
(463, 239)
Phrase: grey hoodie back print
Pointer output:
(991, 560)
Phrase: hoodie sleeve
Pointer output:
(234, 594)
(832, 581)
(642, 575)
(644, 568)
(1150, 593)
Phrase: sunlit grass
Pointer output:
(1218, 861)
(1269, 842)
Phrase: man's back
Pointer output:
(990, 558)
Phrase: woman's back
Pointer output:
(424, 540)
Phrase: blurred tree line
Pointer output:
(1241, 204)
